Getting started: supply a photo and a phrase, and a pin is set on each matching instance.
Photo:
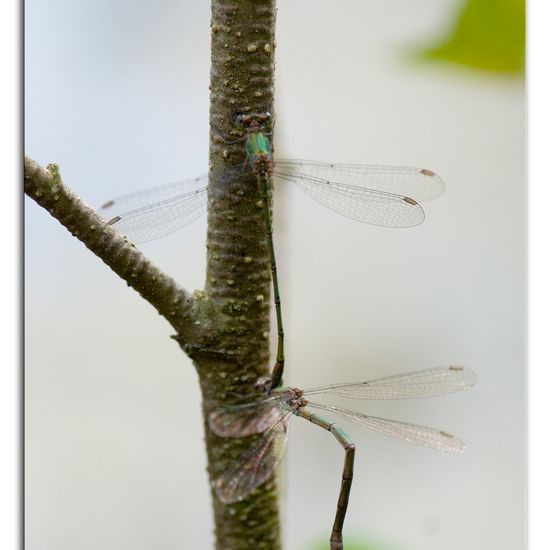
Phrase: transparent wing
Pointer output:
(244, 420)
(256, 465)
(419, 184)
(159, 211)
(412, 433)
(413, 385)
(162, 218)
(152, 195)
(378, 195)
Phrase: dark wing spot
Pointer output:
(427, 172)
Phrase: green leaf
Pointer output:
(488, 35)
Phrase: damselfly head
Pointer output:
(295, 398)
(254, 121)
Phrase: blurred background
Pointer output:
(117, 94)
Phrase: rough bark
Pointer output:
(238, 274)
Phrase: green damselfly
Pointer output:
(378, 195)
(269, 416)
(258, 153)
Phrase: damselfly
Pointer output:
(379, 195)
(269, 416)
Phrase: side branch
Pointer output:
(173, 302)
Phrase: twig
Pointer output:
(173, 302)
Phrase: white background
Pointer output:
(118, 97)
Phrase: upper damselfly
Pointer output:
(379, 195)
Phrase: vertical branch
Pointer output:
(238, 274)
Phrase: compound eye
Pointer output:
(263, 118)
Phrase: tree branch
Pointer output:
(238, 276)
(173, 302)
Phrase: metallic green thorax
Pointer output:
(257, 146)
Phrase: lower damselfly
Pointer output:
(379, 195)
(270, 413)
